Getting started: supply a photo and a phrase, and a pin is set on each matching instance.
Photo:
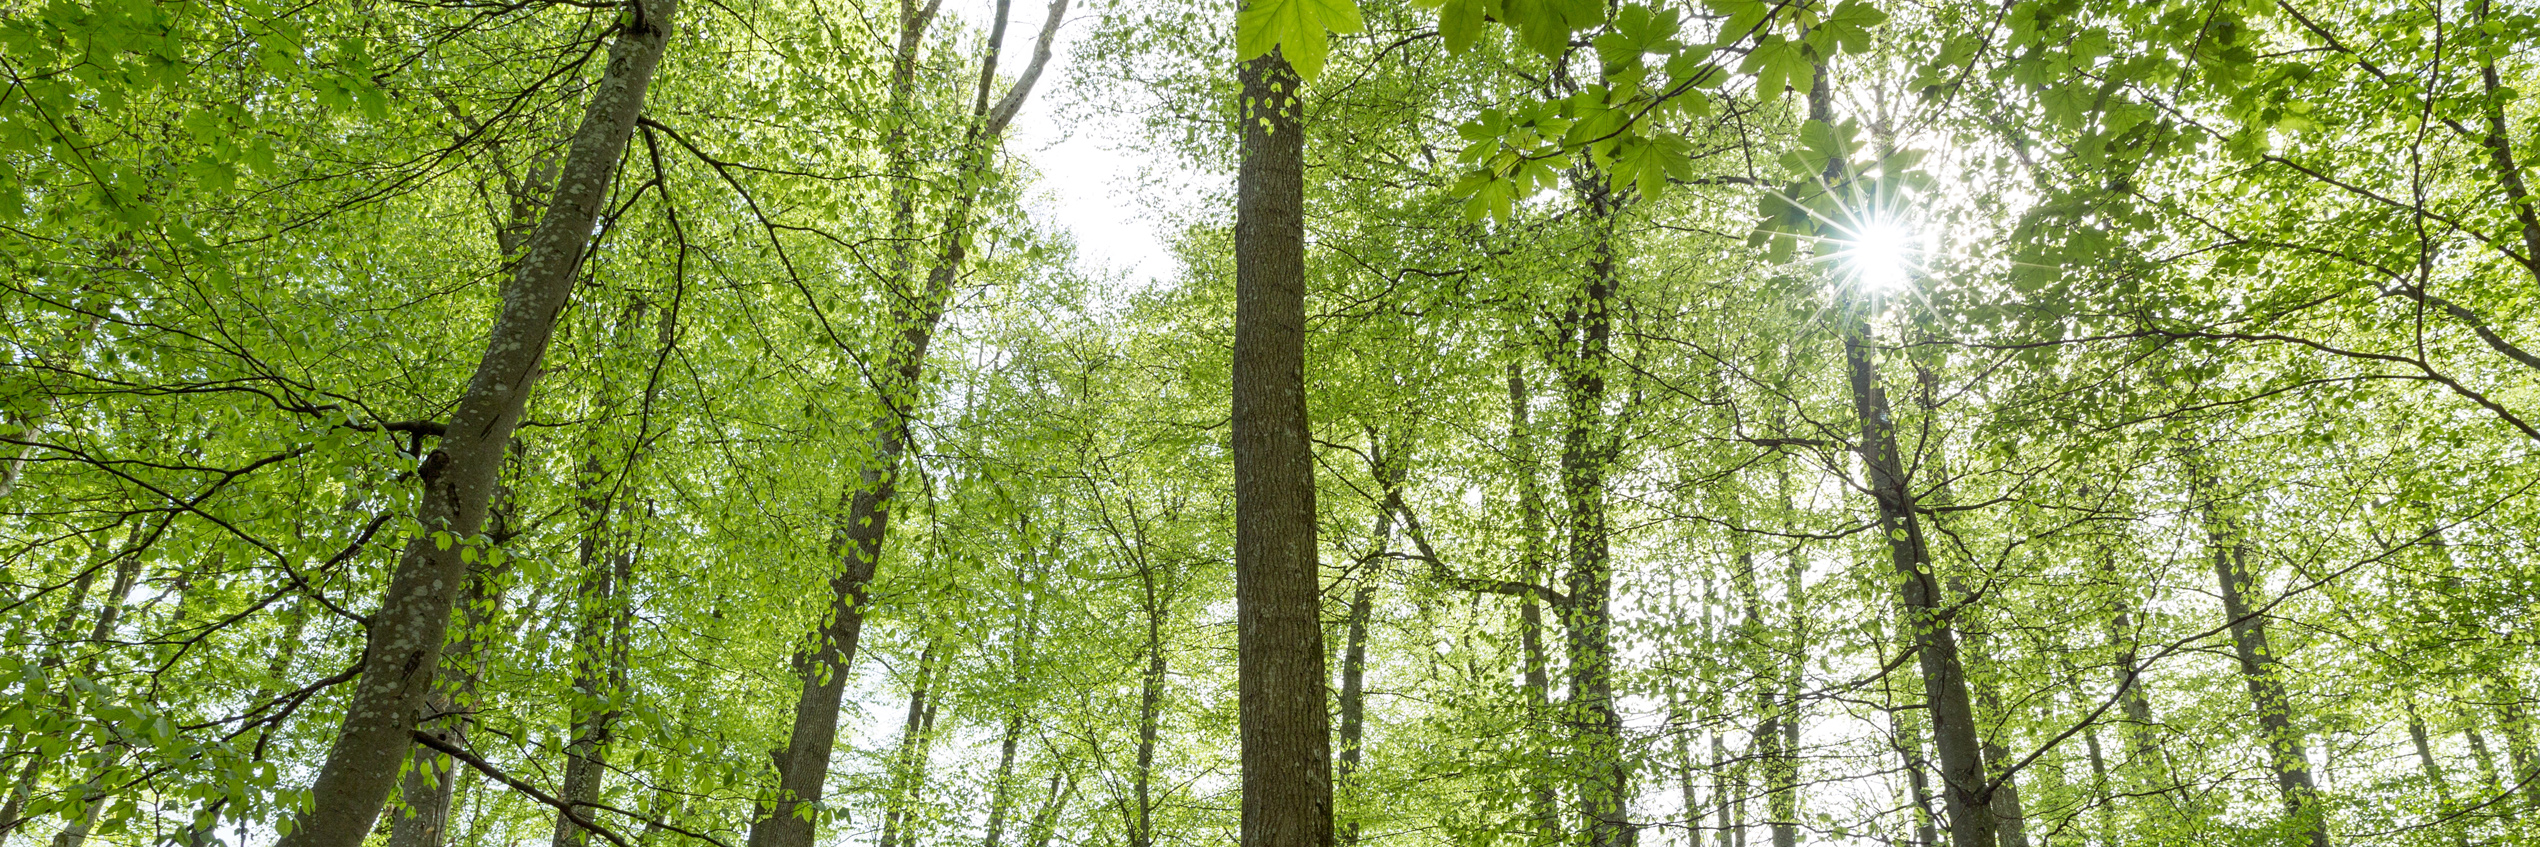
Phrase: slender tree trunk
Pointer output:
(1353, 706)
(2262, 670)
(1150, 712)
(1727, 806)
(1287, 759)
(1001, 789)
(2519, 749)
(802, 767)
(1687, 785)
(601, 647)
(406, 633)
(2486, 759)
(127, 571)
(2434, 781)
(1909, 746)
(1962, 773)
(1586, 450)
(55, 653)
(1045, 822)
(908, 765)
(1531, 568)
(431, 779)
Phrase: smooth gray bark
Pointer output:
(406, 633)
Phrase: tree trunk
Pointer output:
(1586, 328)
(1362, 604)
(2519, 749)
(1045, 822)
(1150, 712)
(802, 767)
(601, 647)
(1001, 789)
(1962, 773)
(404, 644)
(907, 775)
(1531, 568)
(2434, 780)
(1287, 759)
(2262, 670)
(1909, 747)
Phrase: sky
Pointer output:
(1087, 182)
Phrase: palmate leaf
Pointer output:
(1294, 28)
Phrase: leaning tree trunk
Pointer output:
(404, 646)
(907, 772)
(432, 780)
(1964, 786)
(2262, 669)
(802, 767)
(2434, 779)
(1286, 735)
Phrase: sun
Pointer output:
(1881, 253)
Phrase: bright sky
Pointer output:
(1087, 185)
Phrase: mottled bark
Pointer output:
(406, 633)
(802, 766)
(1531, 566)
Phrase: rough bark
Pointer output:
(1286, 736)
(407, 631)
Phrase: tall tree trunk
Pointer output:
(1045, 822)
(1287, 757)
(432, 778)
(1531, 568)
(2434, 781)
(2519, 749)
(1909, 747)
(1688, 787)
(1962, 774)
(1001, 787)
(802, 767)
(94, 791)
(405, 638)
(1727, 804)
(908, 765)
(1586, 328)
(2262, 670)
(55, 653)
(607, 616)
(1150, 710)
(1389, 471)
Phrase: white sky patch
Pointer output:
(1088, 184)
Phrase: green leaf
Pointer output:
(1294, 28)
